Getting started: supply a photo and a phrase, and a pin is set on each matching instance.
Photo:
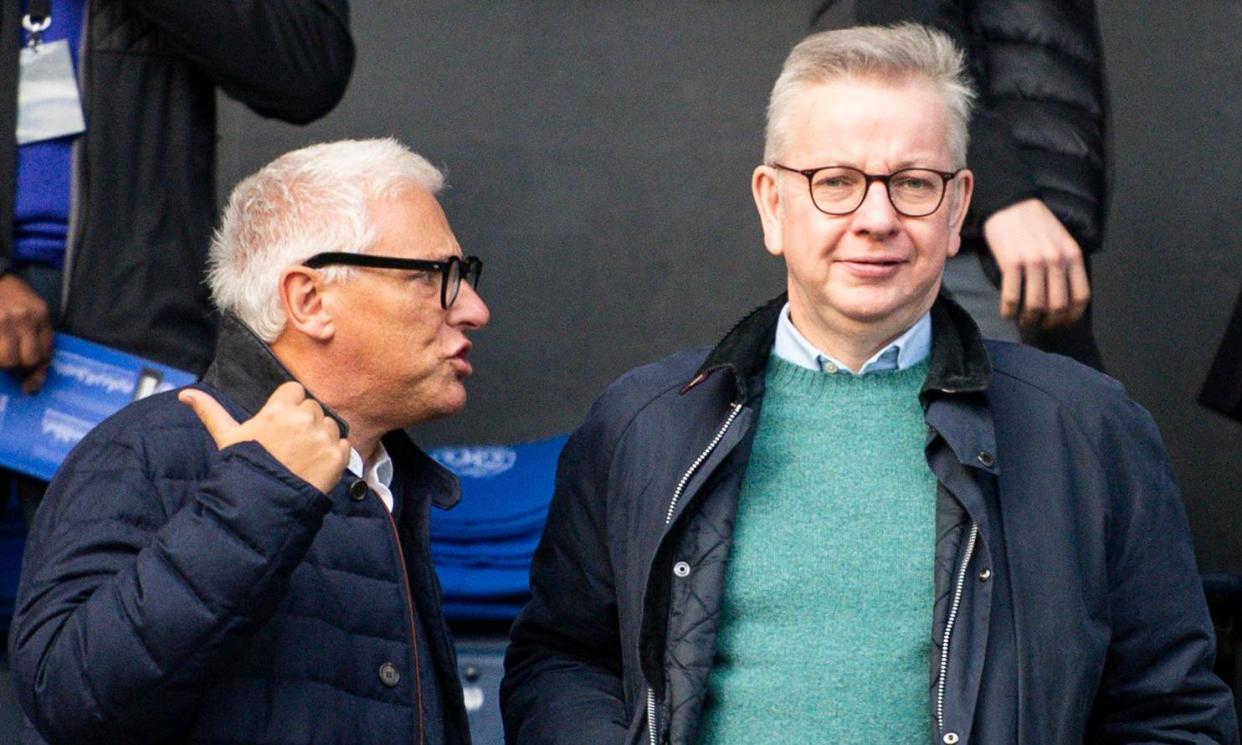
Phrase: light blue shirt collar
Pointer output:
(909, 349)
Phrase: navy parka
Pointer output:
(1067, 603)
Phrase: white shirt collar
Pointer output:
(911, 348)
(378, 476)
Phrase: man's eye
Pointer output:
(425, 276)
(913, 183)
(835, 181)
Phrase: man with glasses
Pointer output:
(853, 520)
(247, 560)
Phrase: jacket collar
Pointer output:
(959, 360)
(246, 371)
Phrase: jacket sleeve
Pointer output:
(563, 680)
(1157, 684)
(125, 612)
(287, 59)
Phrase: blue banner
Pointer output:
(86, 384)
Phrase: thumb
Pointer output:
(209, 411)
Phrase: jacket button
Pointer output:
(987, 459)
(950, 738)
(681, 569)
(985, 575)
(389, 675)
(358, 490)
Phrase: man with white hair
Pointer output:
(853, 520)
(247, 560)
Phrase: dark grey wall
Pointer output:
(599, 157)
(1173, 261)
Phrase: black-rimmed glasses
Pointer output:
(452, 270)
(839, 190)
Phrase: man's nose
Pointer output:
(469, 310)
(876, 214)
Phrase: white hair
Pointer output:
(311, 200)
(891, 54)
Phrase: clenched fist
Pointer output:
(290, 427)
(25, 332)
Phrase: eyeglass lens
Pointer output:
(456, 270)
(914, 192)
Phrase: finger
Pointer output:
(330, 427)
(34, 380)
(287, 394)
(45, 340)
(8, 350)
(1080, 291)
(1058, 298)
(215, 418)
(30, 351)
(1010, 291)
(1034, 301)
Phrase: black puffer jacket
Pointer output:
(176, 593)
(1041, 124)
(144, 171)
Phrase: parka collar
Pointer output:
(959, 360)
(247, 372)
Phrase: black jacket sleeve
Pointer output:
(287, 59)
(563, 682)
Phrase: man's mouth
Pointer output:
(872, 266)
(460, 361)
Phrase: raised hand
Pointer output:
(290, 426)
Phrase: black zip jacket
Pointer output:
(143, 195)
(1061, 543)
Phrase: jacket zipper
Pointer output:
(409, 606)
(668, 518)
(948, 627)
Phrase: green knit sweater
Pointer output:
(825, 627)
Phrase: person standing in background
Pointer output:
(1039, 149)
(109, 193)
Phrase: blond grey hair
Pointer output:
(890, 54)
(314, 199)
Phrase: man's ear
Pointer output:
(302, 295)
(961, 189)
(764, 184)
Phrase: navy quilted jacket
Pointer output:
(175, 593)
